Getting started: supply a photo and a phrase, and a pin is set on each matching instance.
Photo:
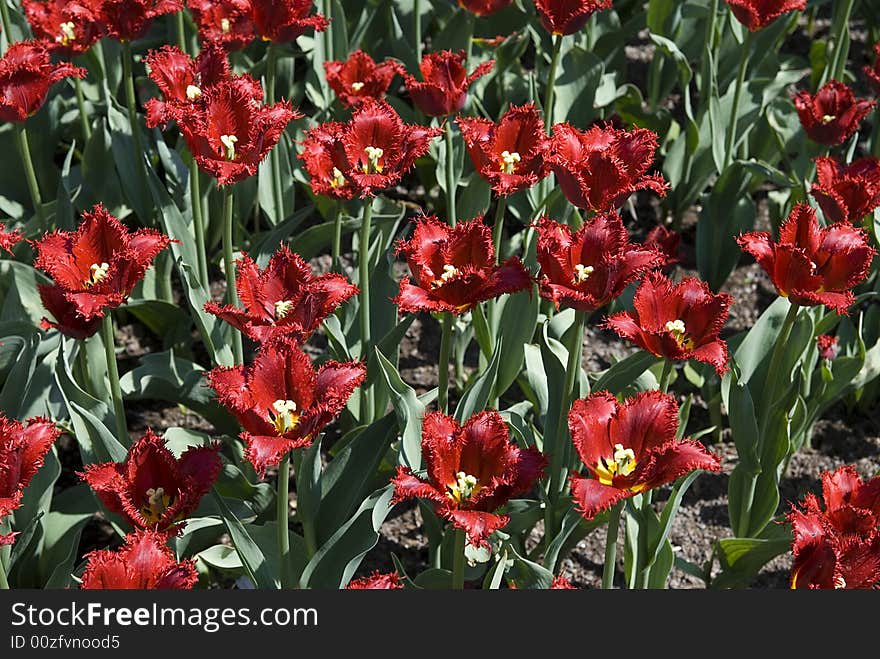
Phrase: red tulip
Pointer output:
(600, 168)
(666, 241)
(283, 21)
(758, 14)
(323, 153)
(26, 74)
(827, 346)
(568, 16)
(812, 265)
(8, 239)
(472, 470)
(60, 28)
(143, 563)
(281, 401)
(453, 268)
(590, 268)
(445, 82)
(67, 319)
(124, 20)
(847, 192)
(838, 547)
(833, 114)
(872, 73)
(152, 489)
(380, 147)
(629, 448)
(183, 80)
(285, 299)
(676, 321)
(23, 446)
(97, 266)
(484, 7)
(512, 154)
(229, 132)
(377, 581)
(359, 77)
(227, 23)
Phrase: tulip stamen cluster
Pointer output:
(679, 333)
(509, 161)
(464, 487)
(338, 180)
(193, 92)
(282, 308)
(157, 503)
(582, 273)
(285, 417)
(225, 26)
(357, 86)
(97, 273)
(229, 141)
(623, 463)
(374, 155)
(450, 272)
(67, 35)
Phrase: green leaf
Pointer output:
(742, 558)
(337, 559)
(352, 474)
(221, 557)
(620, 375)
(409, 410)
(518, 318)
(528, 575)
(476, 397)
(251, 555)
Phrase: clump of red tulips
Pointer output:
(275, 273)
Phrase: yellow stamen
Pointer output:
(98, 274)
(509, 161)
(229, 142)
(449, 272)
(285, 416)
(68, 34)
(193, 92)
(357, 86)
(679, 333)
(622, 463)
(582, 273)
(225, 25)
(374, 154)
(828, 118)
(156, 505)
(338, 180)
(464, 487)
(282, 308)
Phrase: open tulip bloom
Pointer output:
(600, 168)
(812, 265)
(472, 470)
(847, 192)
(453, 268)
(457, 263)
(97, 266)
(23, 447)
(145, 562)
(360, 77)
(838, 546)
(285, 299)
(152, 489)
(629, 448)
(833, 114)
(587, 269)
(676, 321)
(281, 401)
(445, 81)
